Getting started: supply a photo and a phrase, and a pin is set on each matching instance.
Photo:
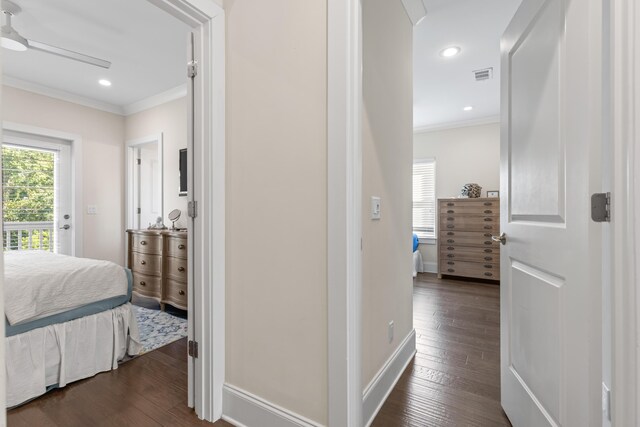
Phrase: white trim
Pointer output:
(155, 100)
(428, 240)
(429, 267)
(416, 10)
(454, 125)
(242, 408)
(344, 207)
(76, 174)
(207, 18)
(61, 95)
(625, 23)
(376, 393)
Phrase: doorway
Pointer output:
(145, 182)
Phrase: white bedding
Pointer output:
(67, 352)
(39, 284)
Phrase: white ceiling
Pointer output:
(444, 86)
(147, 48)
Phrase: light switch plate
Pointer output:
(375, 208)
(92, 210)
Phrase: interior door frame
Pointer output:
(624, 19)
(207, 20)
(130, 164)
(75, 141)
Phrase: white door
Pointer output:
(37, 194)
(149, 181)
(551, 141)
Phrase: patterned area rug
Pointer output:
(158, 328)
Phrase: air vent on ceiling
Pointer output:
(485, 74)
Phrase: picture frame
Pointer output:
(494, 193)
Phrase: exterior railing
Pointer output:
(25, 236)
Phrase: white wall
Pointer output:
(387, 168)
(170, 119)
(103, 165)
(276, 258)
(463, 155)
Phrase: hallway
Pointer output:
(454, 379)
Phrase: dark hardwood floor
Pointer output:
(150, 390)
(454, 379)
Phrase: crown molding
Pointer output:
(416, 10)
(155, 100)
(61, 95)
(460, 124)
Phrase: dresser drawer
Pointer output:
(480, 239)
(149, 286)
(482, 203)
(145, 263)
(175, 293)
(452, 234)
(471, 269)
(462, 253)
(176, 269)
(146, 243)
(460, 225)
(176, 247)
(470, 209)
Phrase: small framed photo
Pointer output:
(493, 193)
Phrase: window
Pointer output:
(424, 198)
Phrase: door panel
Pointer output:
(550, 132)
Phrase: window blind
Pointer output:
(424, 198)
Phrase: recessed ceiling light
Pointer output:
(450, 51)
(468, 108)
(104, 82)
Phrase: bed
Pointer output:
(67, 319)
(417, 256)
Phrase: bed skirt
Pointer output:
(65, 352)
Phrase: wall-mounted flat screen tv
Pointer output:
(183, 172)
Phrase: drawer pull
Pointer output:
(450, 270)
(451, 241)
(488, 274)
(181, 292)
(451, 226)
(450, 233)
(450, 218)
(488, 219)
(487, 227)
(488, 258)
(143, 242)
(181, 269)
(488, 251)
(488, 266)
(181, 246)
(143, 283)
(450, 248)
(450, 212)
(488, 204)
(450, 255)
(143, 262)
(450, 204)
(450, 262)
(487, 234)
(488, 242)
(488, 211)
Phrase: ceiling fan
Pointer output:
(14, 41)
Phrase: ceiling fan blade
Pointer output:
(68, 54)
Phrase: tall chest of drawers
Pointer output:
(464, 238)
(158, 260)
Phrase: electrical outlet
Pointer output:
(390, 332)
(92, 210)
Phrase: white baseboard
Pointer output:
(244, 409)
(430, 267)
(385, 380)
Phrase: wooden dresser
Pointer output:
(158, 260)
(464, 238)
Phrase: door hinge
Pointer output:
(192, 209)
(139, 161)
(192, 69)
(601, 207)
(193, 349)
(139, 210)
